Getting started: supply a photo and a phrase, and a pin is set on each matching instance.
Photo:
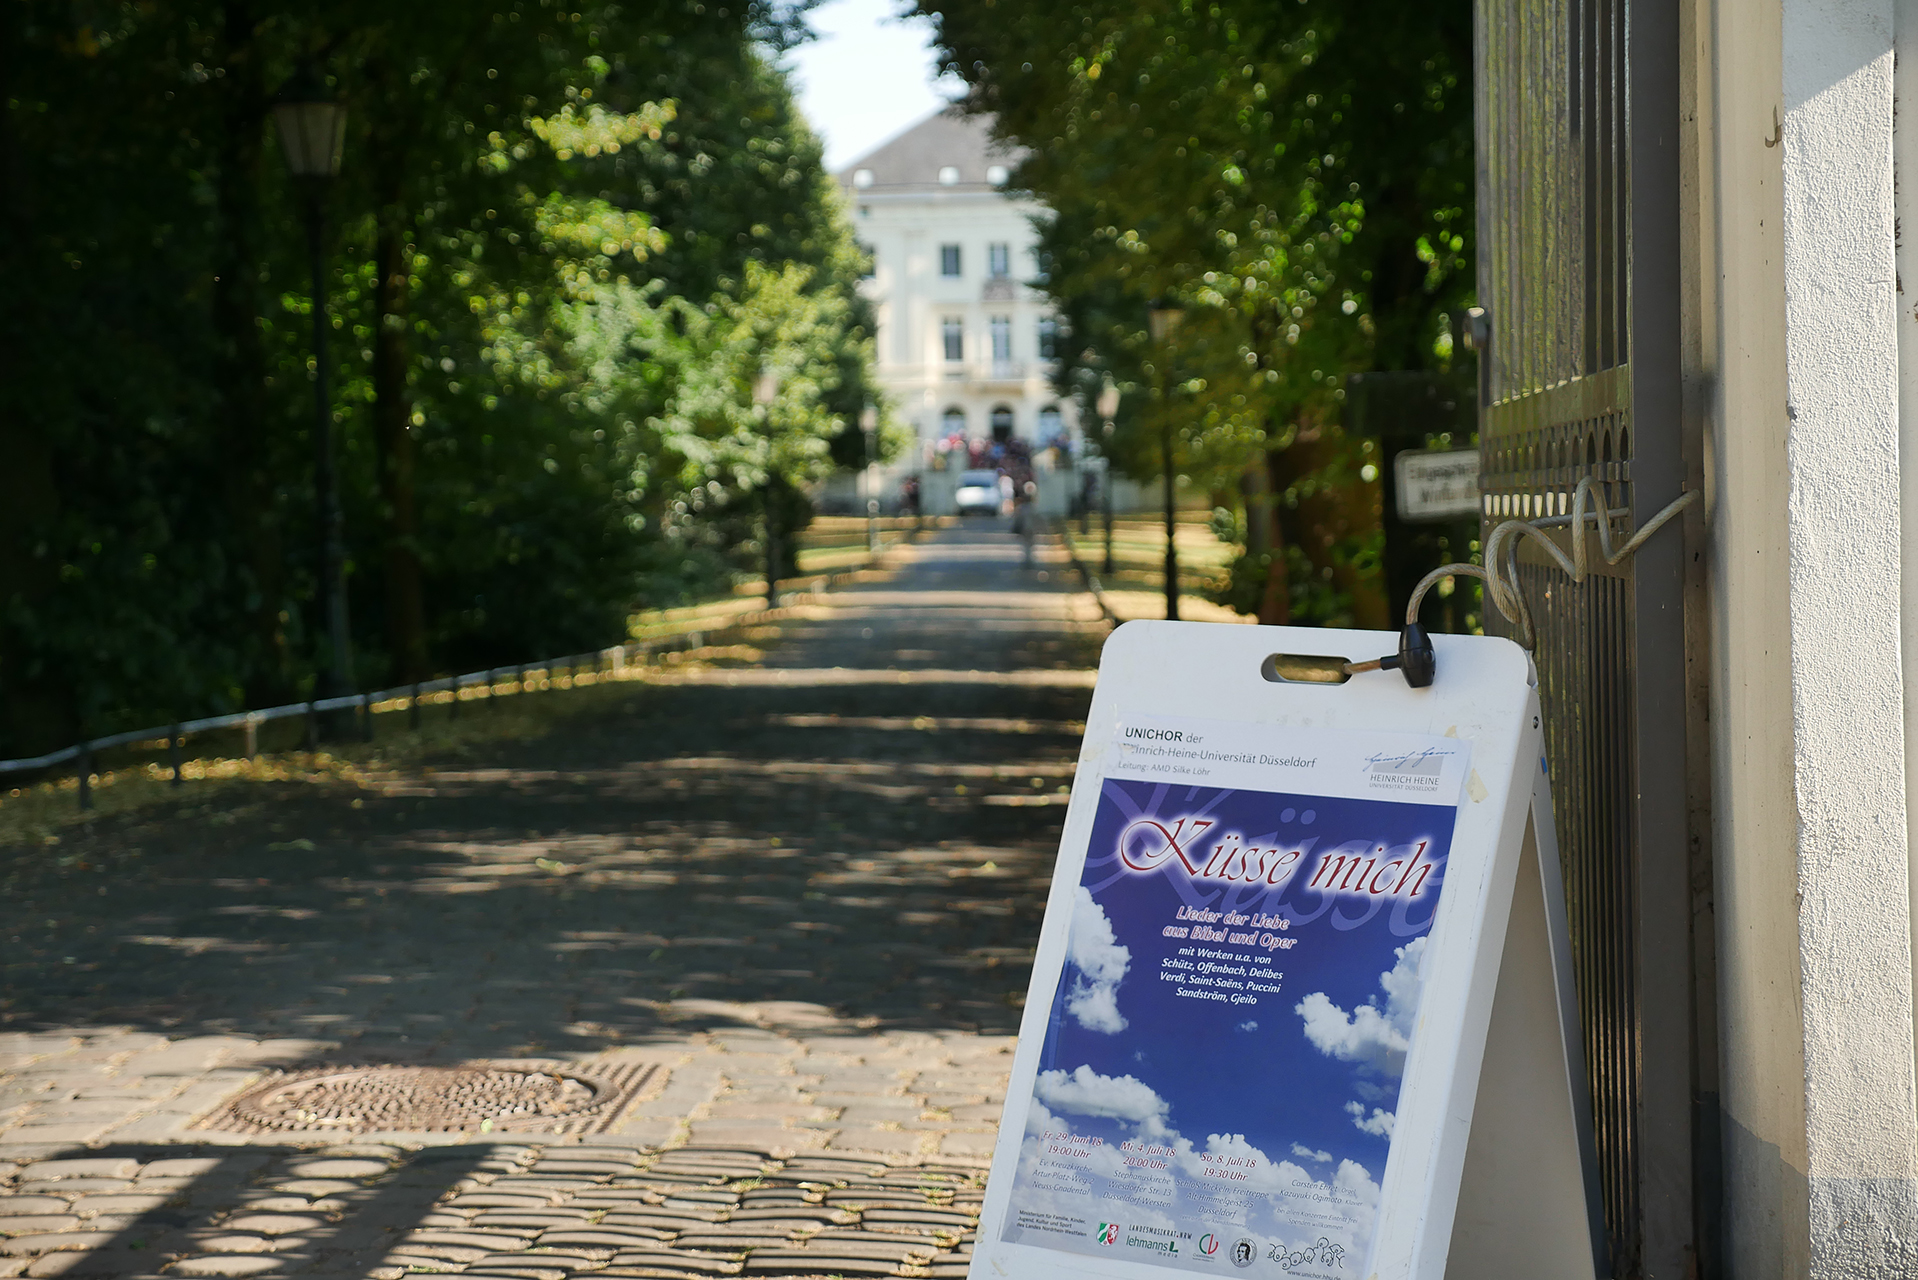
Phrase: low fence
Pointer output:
(618, 662)
(480, 686)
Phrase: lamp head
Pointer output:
(1163, 317)
(1108, 404)
(312, 126)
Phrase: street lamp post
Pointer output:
(1108, 408)
(869, 427)
(312, 128)
(1163, 319)
(765, 392)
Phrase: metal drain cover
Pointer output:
(472, 1097)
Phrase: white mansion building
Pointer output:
(965, 347)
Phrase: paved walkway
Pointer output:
(789, 909)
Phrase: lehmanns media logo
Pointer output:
(1108, 1233)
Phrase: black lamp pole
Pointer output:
(1171, 548)
(313, 133)
(1164, 318)
(1108, 407)
(765, 393)
(869, 427)
(1105, 495)
(325, 479)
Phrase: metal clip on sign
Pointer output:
(1416, 658)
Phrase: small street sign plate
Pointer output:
(1437, 486)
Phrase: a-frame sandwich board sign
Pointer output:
(1302, 1003)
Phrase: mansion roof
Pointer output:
(947, 151)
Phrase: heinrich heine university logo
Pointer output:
(1414, 771)
(1108, 1233)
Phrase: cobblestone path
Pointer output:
(788, 908)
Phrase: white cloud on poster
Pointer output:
(1039, 1121)
(1106, 1160)
(1085, 1092)
(1349, 1185)
(1095, 952)
(1354, 1181)
(1378, 1123)
(1248, 1025)
(1234, 1146)
(1231, 1153)
(1377, 1037)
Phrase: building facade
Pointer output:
(966, 345)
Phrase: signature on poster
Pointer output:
(1324, 1254)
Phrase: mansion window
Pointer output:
(954, 332)
(999, 260)
(1002, 339)
(949, 261)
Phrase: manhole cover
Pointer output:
(475, 1097)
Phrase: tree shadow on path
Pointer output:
(857, 857)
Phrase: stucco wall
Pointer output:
(1905, 196)
(1847, 715)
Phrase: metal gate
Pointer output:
(1579, 373)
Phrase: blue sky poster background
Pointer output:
(1298, 1090)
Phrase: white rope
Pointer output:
(1500, 570)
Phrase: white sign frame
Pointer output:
(1412, 509)
(1507, 1189)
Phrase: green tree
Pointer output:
(547, 220)
(1298, 178)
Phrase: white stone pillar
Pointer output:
(1848, 769)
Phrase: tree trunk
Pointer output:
(1262, 491)
(1329, 514)
(243, 443)
(1254, 496)
(393, 433)
(38, 709)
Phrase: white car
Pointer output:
(978, 493)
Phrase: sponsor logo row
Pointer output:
(1242, 1252)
